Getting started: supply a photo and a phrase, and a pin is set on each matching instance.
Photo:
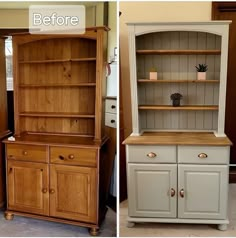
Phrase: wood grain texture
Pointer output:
(168, 107)
(177, 138)
(179, 52)
(75, 195)
(177, 81)
(23, 195)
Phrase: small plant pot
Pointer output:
(176, 102)
(153, 75)
(201, 76)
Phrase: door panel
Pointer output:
(204, 191)
(149, 190)
(28, 187)
(73, 193)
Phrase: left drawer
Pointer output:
(34, 153)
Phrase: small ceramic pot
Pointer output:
(176, 102)
(153, 75)
(201, 76)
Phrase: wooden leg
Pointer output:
(222, 227)
(9, 216)
(93, 231)
(130, 224)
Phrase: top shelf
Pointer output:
(57, 60)
(178, 52)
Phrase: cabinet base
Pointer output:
(9, 215)
(222, 224)
(93, 231)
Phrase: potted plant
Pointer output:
(201, 71)
(153, 74)
(175, 97)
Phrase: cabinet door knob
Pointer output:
(181, 193)
(113, 106)
(172, 192)
(151, 155)
(51, 191)
(10, 170)
(24, 152)
(71, 156)
(113, 121)
(44, 190)
(202, 156)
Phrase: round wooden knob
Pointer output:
(44, 190)
(151, 155)
(202, 156)
(172, 192)
(52, 191)
(71, 156)
(24, 152)
(181, 193)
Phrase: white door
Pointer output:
(202, 191)
(152, 190)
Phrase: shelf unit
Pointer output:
(59, 86)
(175, 153)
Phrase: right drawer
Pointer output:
(151, 154)
(203, 154)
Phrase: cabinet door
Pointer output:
(202, 191)
(27, 185)
(151, 190)
(73, 193)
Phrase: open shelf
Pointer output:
(177, 81)
(179, 52)
(57, 60)
(186, 107)
(57, 85)
(55, 114)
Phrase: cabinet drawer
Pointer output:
(73, 156)
(111, 105)
(34, 153)
(203, 154)
(110, 120)
(151, 154)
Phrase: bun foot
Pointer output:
(222, 227)
(9, 216)
(130, 224)
(93, 231)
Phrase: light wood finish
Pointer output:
(59, 88)
(23, 194)
(179, 52)
(73, 193)
(73, 156)
(33, 153)
(93, 232)
(177, 138)
(185, 107)
(177, 81)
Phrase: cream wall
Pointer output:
(151, 11)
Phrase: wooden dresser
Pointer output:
(178, 156)
(58, 168)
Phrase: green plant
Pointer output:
(176, 96)
(153, 69)
(201, 68)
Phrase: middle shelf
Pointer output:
(184, 107)
(56, 114)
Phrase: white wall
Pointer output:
(146, 12)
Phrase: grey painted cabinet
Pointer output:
(152, 190)
(202, 191)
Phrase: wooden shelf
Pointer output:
(57, 85)
(55, 114)
(186, 107)
(179, 52)
(177, 81)
(57, 60)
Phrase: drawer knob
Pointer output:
(151, 155)
(113, 106)
(172, 192)
(71, 156)
(181, 193)
(113, 121)
(44, 190)
(24, 152)
(51, 191)
(202, 156)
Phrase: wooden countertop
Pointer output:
(177, 138)
(62, 140)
